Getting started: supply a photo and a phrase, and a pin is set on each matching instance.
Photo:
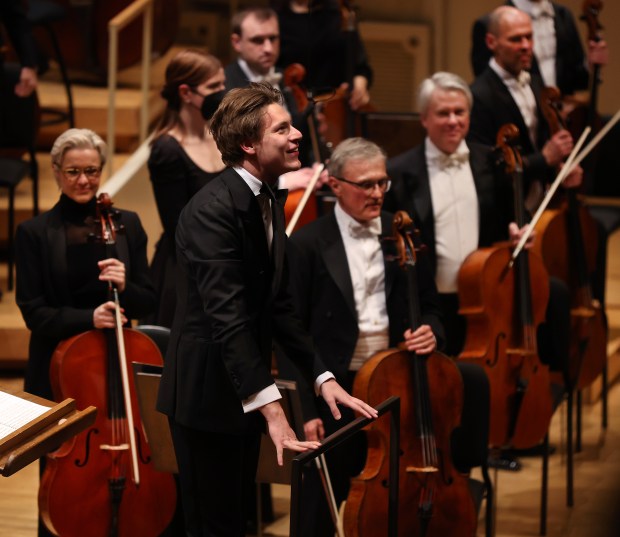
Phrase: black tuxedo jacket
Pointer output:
(323, 293)
(570, 65)
(493, 107)
(43, 294)
(232, 298)
(411, 192)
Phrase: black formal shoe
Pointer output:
(504, 462)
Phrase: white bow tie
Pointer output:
(524, 78)
(369, 229)
(544, 9)
(453, 160)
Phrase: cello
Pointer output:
(503, 307)
(431, 392)
(570, 257)
(102, 482)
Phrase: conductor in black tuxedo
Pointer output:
(354, 302)
(216, 386)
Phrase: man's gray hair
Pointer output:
(444, 81)
(353, 149)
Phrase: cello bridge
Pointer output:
(421, 469)
(120, 447)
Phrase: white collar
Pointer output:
(254, 183)
(535, 9)
(433, 153)
(346, 222)
(508, 78)
(252, 76)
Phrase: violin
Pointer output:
(567, 241)
(102, 482)
(431, 393)
(503, 307)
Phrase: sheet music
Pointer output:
(16, 412)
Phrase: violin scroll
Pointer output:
(507, 137)
(107, 220)
(589, 13)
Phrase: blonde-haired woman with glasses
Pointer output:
(62, 273)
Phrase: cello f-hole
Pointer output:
(87, 449)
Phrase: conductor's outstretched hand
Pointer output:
(334, 394)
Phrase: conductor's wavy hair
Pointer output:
(443, 81)
(353, 149)
(240, 119)
(77, 139)
(191, 67)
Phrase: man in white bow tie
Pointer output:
(503, 94)
(353, 301)
(449, 188)
(452, 190)
(558, 54)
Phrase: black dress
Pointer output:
(175, 178)
(57, 279)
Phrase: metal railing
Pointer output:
(391, 405)
(137, 8)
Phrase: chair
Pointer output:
(19, 123)
(159, 334)
(45, 13)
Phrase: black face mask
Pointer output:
(210, 104)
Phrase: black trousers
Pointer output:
(217, 474)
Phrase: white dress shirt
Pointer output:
(455, 208)
(521, 91)
(367, 269)
(545, 43)
(270, 393)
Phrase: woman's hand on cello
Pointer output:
(515, 235)
(422, 341)
(104, 316)
(314, 430)
(113, 270)
(334, 394)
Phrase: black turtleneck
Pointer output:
(83, 253)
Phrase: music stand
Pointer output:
(43, 434)
(156, 426)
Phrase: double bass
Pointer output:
(503, 307)
(102, 482)
(431, 392)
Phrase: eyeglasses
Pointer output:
(91, 172)
(368, 186)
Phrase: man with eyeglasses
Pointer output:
(353, 301)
